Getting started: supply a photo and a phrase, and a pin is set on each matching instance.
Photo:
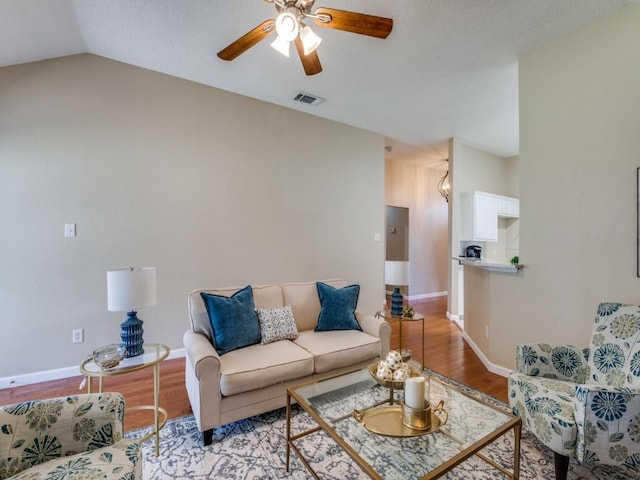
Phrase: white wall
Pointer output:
(212, 188)
(579, 151)
(415, 187)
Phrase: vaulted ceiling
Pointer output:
(448, 68)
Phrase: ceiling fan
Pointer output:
(290, 27)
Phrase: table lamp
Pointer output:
(396, 273)
(127, 291)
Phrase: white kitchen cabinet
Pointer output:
(508, 207)
(479, 215)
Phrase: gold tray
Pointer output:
(388, 421)
(373, 368)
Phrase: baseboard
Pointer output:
(59, 373)
(458, 320)
(425, 296)
(492, 367)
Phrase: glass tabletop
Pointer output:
(153, 353)
(470, 422)
(416, 317)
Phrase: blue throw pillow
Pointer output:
(337, 308)
(233, 320)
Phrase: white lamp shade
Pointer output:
(130, 289)
(396, 273)
(310, 41)
(287, 26)
(281, 45)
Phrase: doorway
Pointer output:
(397, 237)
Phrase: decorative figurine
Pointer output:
(384, 372)
(408, 311)
(394, 359)
(401, 374)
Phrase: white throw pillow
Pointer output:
(277, 324)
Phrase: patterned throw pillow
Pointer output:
(277, 324)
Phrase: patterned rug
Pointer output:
(255, 449)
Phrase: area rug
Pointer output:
(255, 449)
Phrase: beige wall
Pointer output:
(415, 187)
(474, 170)
(212, 188)
(579, 151)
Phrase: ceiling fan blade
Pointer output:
(353, 22)
(311, 62)
(247, 41)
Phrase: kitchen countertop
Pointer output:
(493, 266)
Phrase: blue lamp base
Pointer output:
(131, 334)
(396, 302)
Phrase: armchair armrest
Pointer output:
(561, 362)
(377, 327)
(64, 426)
(608, 422)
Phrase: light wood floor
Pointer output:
(446, 353)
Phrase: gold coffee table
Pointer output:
(471, 425)
(154, 353)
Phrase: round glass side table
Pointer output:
(154, 353)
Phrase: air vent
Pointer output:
(308, 99)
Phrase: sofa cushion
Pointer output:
(277, 324)
(233, 320)
(338, 348)
(304, 300)
(259, 366)
(337, 308)
(546, 406)
(264, 296)
(121, 460)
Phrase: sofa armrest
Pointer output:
(377, 327)
(201, 354)
(202, 379)
(607, 422)
(69, 425)
(561, 362)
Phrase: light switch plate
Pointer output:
(69, 229)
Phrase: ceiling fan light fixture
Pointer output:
(287, 26)
(281, 46)
(310, 41)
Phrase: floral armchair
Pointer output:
(76, 437)
(585, 404)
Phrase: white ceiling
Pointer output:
(448, 68)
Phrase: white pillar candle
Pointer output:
(427, 389)
(414, 390)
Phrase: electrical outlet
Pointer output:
(486, 331)
(77, 335)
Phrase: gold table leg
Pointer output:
(288, 449)
(517, 430)
(156, 405)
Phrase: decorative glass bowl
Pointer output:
(109, 356)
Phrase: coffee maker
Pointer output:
(473, 251)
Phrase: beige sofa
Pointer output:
(254, 379)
